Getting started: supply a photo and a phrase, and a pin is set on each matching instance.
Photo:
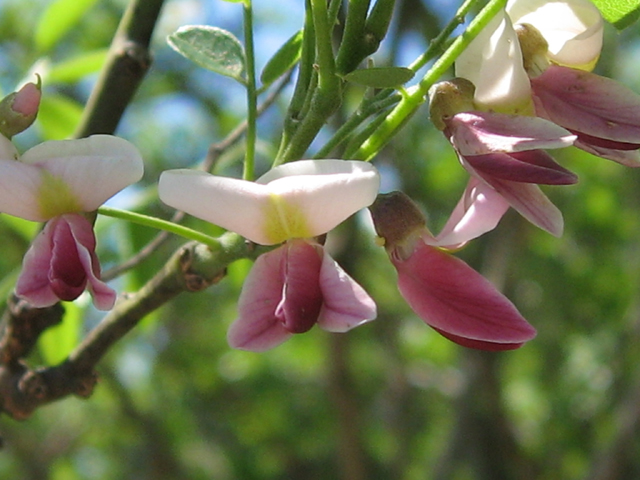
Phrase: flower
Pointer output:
(441, 289)
(298, 284)
(55, 182)
(503, 151)
(561, 43)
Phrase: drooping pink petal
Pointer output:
(479, 210)
(104, 297)
(459, 302)
(346, 304)
(301, 297)
(67, 275)
(33, 283)
(61, 263)
(257, 328)
(588, 104)
(531, 166)
(527, 199)
(628, 158)
(480, 133)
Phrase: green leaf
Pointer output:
(380, 77)
(212, 48)
(621, 13)
(58, 19)
(56, 342)
(285, 58)
(77, 67)
(23, 228)
(58, 116)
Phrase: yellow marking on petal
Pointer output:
(284, 221)
(55, 197)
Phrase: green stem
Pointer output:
(326, 97)
(415, 96)
(369, 107)
(437, 43)
(252, 97)
(160, 224)
(388, 97)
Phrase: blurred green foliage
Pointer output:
(389, 400)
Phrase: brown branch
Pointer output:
(128, 62)
(22, 389)
(193, 267)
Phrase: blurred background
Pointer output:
(389, 400)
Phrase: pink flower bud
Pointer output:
(18, 110)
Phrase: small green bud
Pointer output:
(449, 98)
(534, 49)
(19, 110)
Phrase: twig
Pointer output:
(193, 267)
(21, 389)
(128, 61)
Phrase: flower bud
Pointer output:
(448, 98)
(18, 110)
(398, 220)
(534, 49)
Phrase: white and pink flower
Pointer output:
(297, 285)
(55, 182)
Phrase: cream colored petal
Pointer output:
(311, 205)
(19, 186)
(7, 150)
(573, 28)
(493, 63)
(89, 171)
(231, 203)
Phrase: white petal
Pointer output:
(7, 150)
(493, 63)
(94, 169)
(317, 167)
(478, 211)
(323, 201)
(19, 187)
(296, 206)
(234, 204)
(573, 28)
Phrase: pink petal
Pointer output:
(104, 297)
(33, 283)
(531, 166)
(587, 103)
(479, 133)
(527, 199)
(628, 158)
(61, 263)
(346, 304)
(301, 298)
(459, 302)
(257, 328)
(479, 210)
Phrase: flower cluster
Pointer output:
(524, 85)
